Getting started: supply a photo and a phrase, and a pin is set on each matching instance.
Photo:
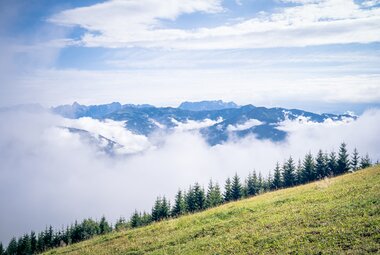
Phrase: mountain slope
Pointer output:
(333, 216)
(228, 119)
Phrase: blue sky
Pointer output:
(322, 55)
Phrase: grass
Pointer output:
(334, 216)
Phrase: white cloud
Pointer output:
(248, 124)
(136, 23)
(194, 125)
(43, 167)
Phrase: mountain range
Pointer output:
(217, 121)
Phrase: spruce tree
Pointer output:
(250, 186)
(135, 220)
(343, 160)
(12, 247)
(299, 170)
(165, 208)
(104, 227)
(2, 251)
(332, 164)
(288, 173)
(260, 183)
(308, 172)
(365, 162)
(179, 205)
(277, 182)
(214, 197)
(33, 242)
(227, 191)
(321, 165)
(190, 200)
(120, 224)
(355, 160)
(236, 188)
(156, 209)
(199, 197)
(268, 182)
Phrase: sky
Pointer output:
(318, 55)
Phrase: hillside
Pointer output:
(334, 216)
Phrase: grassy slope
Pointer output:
(335, 216)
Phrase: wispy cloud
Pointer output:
(137, 24)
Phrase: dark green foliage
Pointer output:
(236, 188)
(332, 164)
(277, 177)
(343, 160)
(308, 172)
(299, 170)
(12, 247)
(194, 200)
(227, 191)
(355, 160)
(321, 169)
(289, 173)
(135, 220)
(161, 209)
(365, 162)
(2, 251)
(121, 224)
(214, 196)
(179, 206)
(104, 227)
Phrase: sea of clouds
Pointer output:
(49, 175)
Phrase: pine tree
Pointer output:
(308, 172)
(277, 182)
(343, 160)
(2, 251)
(156, 209)
(33, 242)
(250, 186)
(179, 205)
(365, 162)
(288, 173)
(190, 200)
(165, 208)
(199, 197)
(146, 219)
(104, 227)
(214, 197)
(135, 220)
(12, 247)
(355, 160)
(299, 170)
(236, 188)
(227, 191)
(332, 164)
(321, 165)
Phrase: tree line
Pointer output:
(196, 199)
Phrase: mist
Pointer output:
(49, 175)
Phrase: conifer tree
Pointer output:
(227, 190)
(260, 183)
(268, 182)
(355, 160)
(199, 197)
(120, 224)
(156, 210)
(332, 164)
(308, 168)
(104, 227)
(33, 242)
(236, 188)
(165, 208)
(321, 165)
(214, 197)
(12, 247)
(299, 169)
(365, 162)
(277, 182)
(190, 200)
(2, 251)
(135, 220)
(145, 218)
(249, 186)
(179, 205)
(343, 160)
(288, 172)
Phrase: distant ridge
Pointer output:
(207, 105)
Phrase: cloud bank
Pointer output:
(51, 176)
(138, 24)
